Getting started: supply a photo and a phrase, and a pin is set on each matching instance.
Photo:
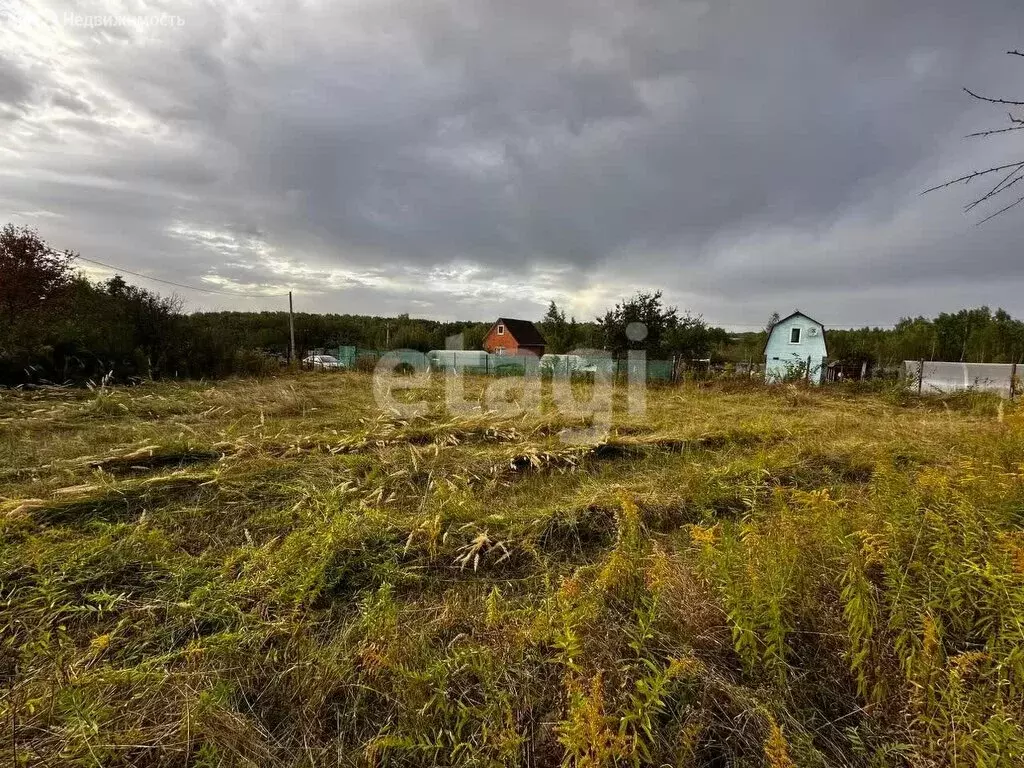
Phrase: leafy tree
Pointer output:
(559, 333)
(34, 282)
(642, 308)
(693, 339)
(411, 335)
(473, 335)
(668, 332)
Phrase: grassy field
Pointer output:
(277, 574)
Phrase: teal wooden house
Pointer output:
(796, 349)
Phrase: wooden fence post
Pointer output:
(920, 375)
(1013, 379)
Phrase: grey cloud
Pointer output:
(72, 102)
(15, 85)
(630, 144)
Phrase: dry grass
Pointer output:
(276, 574)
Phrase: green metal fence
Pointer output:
(480, 363)
(346, 356)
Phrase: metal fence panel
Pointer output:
(659, 370)
(346, 356)
(479, 362)
(954, 377)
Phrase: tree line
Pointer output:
(57, 325)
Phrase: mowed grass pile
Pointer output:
(277, 574)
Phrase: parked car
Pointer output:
(322, 363)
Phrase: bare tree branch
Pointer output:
(1001, 210)
(997, 130)
(971, 206)
(998, 187)
(966, 179)
(1002, 186)
(1016, 170)
(993, 101)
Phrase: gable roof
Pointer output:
(523, 331)
(794, 314)
(790, 316)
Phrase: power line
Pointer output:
(182, 285)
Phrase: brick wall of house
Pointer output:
(513, 337)
(508, 345)
(495, 341)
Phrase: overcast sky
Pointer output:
(463, 159)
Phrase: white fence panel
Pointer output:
(954, 377)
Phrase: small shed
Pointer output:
(796, 349)
(852, 369)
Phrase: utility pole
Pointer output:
(291, 329)
(387, 335)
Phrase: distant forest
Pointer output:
(57, 326)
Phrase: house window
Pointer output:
(794, 336)
(501, 330)
(499, 351)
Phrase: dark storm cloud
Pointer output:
(15, 85)
(742, 156)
